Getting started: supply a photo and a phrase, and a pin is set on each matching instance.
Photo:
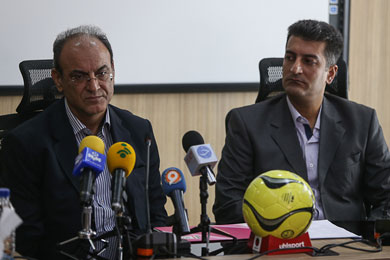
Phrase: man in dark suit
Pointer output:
(39, 155)
(336, 145)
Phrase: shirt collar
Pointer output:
(76, 124)
(297, 117)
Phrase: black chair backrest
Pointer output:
(271, 79)
(39, 92)
(39, 88)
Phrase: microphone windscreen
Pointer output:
(93, 142)
(121, 156)
(173, 179)
(191, 138)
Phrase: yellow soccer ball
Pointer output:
(278, 203)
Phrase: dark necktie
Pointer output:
(308, 131)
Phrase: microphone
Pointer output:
(151, 243)
(121, 161)
(89, 163)
(148, 142)
(174, 185)
(200, 157)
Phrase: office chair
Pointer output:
(271, 79)
(39, 88)
(39, 92)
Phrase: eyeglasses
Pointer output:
(82, 79)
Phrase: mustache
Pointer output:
(97, 95)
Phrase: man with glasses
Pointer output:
(38, 156)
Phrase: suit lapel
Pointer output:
(65, 145)
(331, 134)
(118, 131)
(285, 136)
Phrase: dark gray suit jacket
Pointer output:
(353, 165)
(38, 159)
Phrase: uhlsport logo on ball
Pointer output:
(278, 203)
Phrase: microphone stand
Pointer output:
(122, 226)
(121, 222)
(85, 234)
(183, 246)
(204, 226)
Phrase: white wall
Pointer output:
(158, 41)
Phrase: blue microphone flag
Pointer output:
(173, 179)
(90, 159)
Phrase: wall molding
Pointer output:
(9, 90)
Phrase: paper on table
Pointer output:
(239, 231)
(321, 229)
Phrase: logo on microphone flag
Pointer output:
(125, 151)
(172, 177)
(89, 158)
(204, 151)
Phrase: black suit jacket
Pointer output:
(38, 159)
(353, 165)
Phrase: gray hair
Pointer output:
(88, 30)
